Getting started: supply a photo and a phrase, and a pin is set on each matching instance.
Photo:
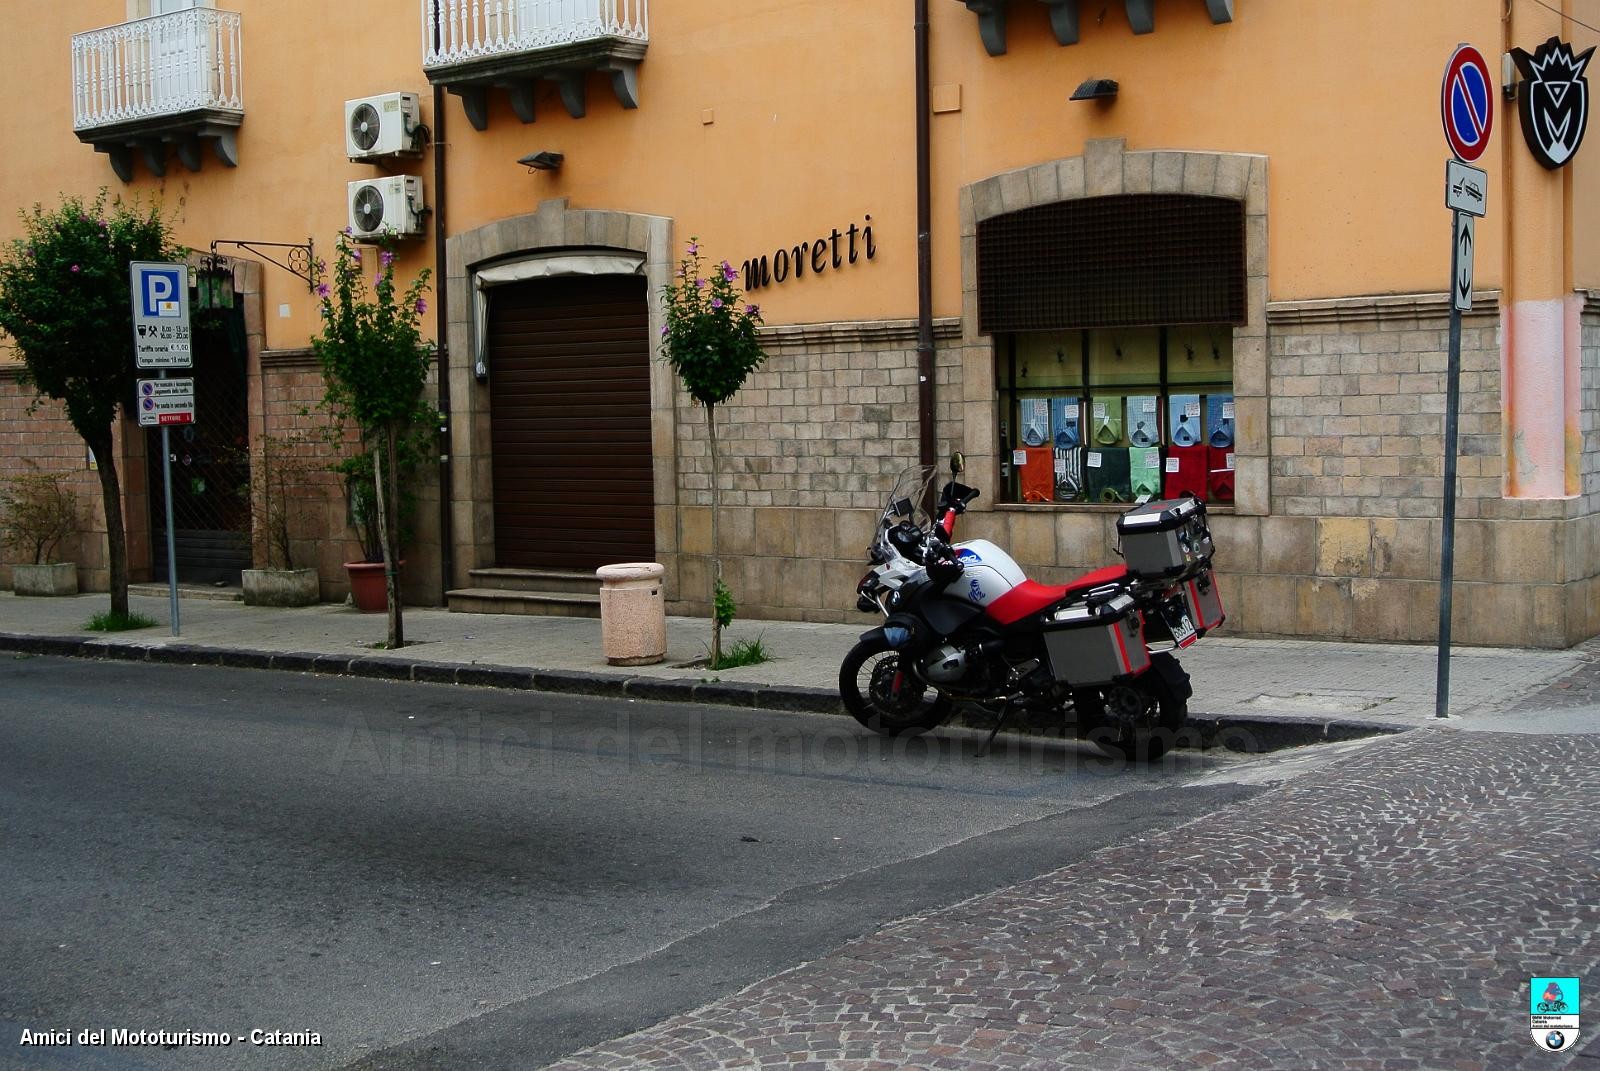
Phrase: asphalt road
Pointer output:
(451, 877)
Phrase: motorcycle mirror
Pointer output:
(957, 463)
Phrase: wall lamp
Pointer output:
(1096, 89)
(542, 161)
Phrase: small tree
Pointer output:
(64, 300)
(39, 511)
(374, 367)
(285, 471)
(710, 340)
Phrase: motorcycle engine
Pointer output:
(946, 664)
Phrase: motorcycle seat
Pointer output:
(1029, 597)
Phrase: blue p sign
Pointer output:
(160, 295)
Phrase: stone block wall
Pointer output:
(1357, 408)
(809, 449)
(44, 441)
(286, 401)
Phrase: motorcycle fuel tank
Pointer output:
(989, 572)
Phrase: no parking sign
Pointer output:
(1466, 103)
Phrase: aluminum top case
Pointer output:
(1166, 539)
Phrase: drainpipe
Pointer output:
(441, 308)
(925, 369)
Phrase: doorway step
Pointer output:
(546, 592)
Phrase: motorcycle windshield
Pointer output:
(908, 498)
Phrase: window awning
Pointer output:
(538, 266)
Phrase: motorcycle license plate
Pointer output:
(1181, 626)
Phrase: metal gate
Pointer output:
(210, 462)
(569, 384)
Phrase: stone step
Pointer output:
(230, 593)
(539, 603)
(505, 578)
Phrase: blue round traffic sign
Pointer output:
(1466, 103)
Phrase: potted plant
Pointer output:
(278, 495)
(374, 368)
(40, 512)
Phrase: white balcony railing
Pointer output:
(187, 61)
(456, 31)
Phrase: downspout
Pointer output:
(925, 367)
(441, 306)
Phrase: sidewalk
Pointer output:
(1307, 688)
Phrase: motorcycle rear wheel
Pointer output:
(885, 698)
(1137, 720)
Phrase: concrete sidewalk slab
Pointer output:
(1307, 686)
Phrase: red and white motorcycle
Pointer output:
(964, 624)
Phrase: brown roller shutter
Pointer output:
(569, 386)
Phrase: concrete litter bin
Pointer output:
(633, 613)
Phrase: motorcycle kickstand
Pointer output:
(999, 723)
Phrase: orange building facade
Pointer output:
(1228, 273)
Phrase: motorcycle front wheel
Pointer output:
(1138, 719)
(886, 697)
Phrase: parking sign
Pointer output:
(160, 314)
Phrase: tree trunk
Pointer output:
(116, 535)
(384, 479)
(716, 547)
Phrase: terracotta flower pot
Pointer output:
(367, 587)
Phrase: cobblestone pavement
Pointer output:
(1386, 911)
(1579, 688)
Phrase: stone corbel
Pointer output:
(522, 98)
(475, 103)
(991, 24)
(1142, 15)
(624, 81)
(1064, 20)
(155, 157)
(573, 92)
(1220, 11)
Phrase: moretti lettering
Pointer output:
(834, 249)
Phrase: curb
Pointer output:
(1236, 732)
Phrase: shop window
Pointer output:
(1116, 414)
(1113, 324)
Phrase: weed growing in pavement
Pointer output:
(742, 653)
(112, 621)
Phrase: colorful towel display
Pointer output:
(1144, 472)
(1064, 422)
(1183, 419)
(1185, 472)
(1037, 474)
(1219, 419)
(1144, 420)
(1035, 421)
(1105, 420)
(1219, 480)
(1069, 474)
(1105, 471)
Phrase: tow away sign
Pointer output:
(165, 401)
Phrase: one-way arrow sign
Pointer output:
(1466, 235)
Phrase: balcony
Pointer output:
(166, 80)
(470, 46)
(1064, 19)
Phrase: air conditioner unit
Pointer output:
(383, 126)
(391, 205)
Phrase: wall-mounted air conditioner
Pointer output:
(384, 126)
(392, 205)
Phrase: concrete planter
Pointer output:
(59, 578)
(281, 587)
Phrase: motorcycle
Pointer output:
(963, 623)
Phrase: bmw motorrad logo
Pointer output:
(1553, 100)
(1555, 1039)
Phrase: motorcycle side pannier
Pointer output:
(1096, 643)
(1166, 539)
(1203, 601)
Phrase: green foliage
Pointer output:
(375, 366)
(724, 609)
(710, 335)
(743, 653)
(64, 300)
(115, 622)
(40, 510)
(371, 348)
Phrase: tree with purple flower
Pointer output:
(711, 341)
(64, 302)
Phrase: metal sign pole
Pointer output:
(172, 539)
(1452, 409)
